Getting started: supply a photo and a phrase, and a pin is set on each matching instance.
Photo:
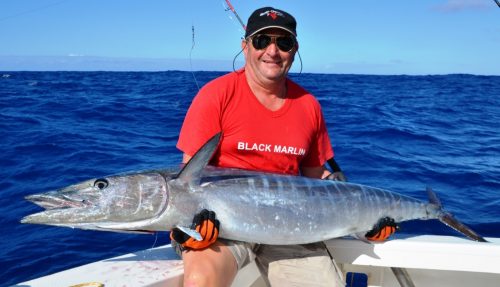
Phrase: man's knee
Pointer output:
(214, 266)
(195, 277)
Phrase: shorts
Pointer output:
(287, 265)
(298, 265)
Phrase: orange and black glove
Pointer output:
(203, 222)
(384, 228)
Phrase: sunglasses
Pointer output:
(284, 43)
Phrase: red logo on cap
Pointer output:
(273, 14)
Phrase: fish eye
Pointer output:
(101, 183)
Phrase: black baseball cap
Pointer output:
(269, 17)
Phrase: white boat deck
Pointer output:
(430, 261)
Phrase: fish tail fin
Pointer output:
(448, 219)
(452, 222)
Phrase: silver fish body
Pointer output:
(278, 209)
(251, 206)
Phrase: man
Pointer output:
(268, 123)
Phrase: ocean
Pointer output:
(401, 133)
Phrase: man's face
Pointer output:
(270, 63)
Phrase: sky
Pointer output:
(414, 37)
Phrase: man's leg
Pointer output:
(216, 265)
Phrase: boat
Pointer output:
(429, 260)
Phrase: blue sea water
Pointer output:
(401, 133)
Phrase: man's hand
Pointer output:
(203, 222)
(337, 176)
(337, 173)
(381, 231)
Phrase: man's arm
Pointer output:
(323, 173)
(185, 158)
(337, 173)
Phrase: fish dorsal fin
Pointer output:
(191, 172)
(433, 199)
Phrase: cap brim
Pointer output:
(270, 27)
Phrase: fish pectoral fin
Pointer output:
(191, 232)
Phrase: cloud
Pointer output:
(451, 6)
(75, 62)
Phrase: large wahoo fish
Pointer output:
(251, 206)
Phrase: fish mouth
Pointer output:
(83, 218)
(52, 200)
(61, 216)
(61, 209)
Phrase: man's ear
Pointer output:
(244, 44)
(244, 47)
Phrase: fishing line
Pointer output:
(190, 58)
(32, 10)
(156, 239)
(234, 59)
(300, 60)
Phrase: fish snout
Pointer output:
(52, 201)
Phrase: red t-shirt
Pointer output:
(254, 137)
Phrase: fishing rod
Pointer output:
(230, 6)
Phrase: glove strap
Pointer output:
(334, 165)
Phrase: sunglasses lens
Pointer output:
(284, 43)
(261, 41)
